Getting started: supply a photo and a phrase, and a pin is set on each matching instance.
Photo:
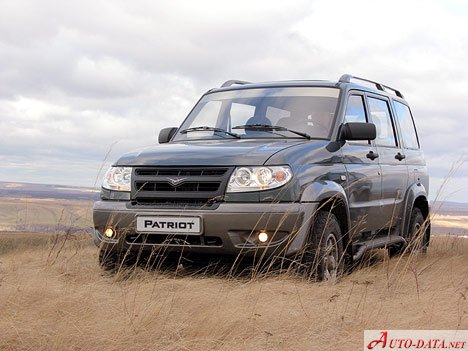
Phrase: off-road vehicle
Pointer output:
(311, 172)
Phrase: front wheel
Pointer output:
(323, 254)
(109, 260)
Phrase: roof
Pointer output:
(345, 81)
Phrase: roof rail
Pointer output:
(232, 82)
(346, 78)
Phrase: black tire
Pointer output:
(396, 250)
(416, 236)
(109, 260)
(417, 231)
(323, 254)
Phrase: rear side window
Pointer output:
(382, 119)
(355, 111)
(408, 130)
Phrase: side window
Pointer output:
(382, 119)
(408, 130)
(240, 113)
(355, 111)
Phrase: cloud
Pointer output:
(79, 76)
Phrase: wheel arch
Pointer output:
(332, 197)
(416, 197)
(422, 203)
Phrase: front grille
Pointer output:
(179, 186)
(183, 187)
(177, 203)
(180, 172)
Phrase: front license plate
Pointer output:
(168, 225)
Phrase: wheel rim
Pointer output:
(417, 227)
(330, 262)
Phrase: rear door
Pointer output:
(363, 185)
(391, 159)
(414, 156)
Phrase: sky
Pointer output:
(82, 82)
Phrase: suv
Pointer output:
(311, 172)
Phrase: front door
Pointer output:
(391, 159)
(363, 185)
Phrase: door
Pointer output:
(391, 159)
(417, 170)
(363, 185)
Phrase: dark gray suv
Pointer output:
(310, 172)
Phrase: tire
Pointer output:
(417, 231)
(323, 253)
(396, 250)
(109, 260)
(416, 236)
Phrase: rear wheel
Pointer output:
(417, 231)
(416, 236)
(396, 250)
(323, 254)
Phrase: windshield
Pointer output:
(308, 110)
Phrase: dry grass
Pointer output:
(29, 214)
(60, 300)
(18, 243)
(450, 221)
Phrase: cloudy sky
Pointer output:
(80, 80)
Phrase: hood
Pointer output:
(210, 152)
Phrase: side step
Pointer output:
(377, 243)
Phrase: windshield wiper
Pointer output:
(267, 127)
(212, 129)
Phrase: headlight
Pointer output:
(258, 178)
(118, 178)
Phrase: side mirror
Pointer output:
(166, 134)
(358, 131)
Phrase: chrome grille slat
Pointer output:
(183, 187)
(180, 172)
(179, 186)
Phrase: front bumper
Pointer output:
(229, 230)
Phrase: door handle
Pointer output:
(400, 156)
(372, 155)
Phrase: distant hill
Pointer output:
(32, 207)
(447, 207)
(47, 191)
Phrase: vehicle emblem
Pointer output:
(176, 181)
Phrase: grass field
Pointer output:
(53, 296)
(42, 215)
(52, 215)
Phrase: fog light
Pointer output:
(109, 233)
(262, 237)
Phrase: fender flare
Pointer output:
(414, 191)
(324, 189)
(321, 190)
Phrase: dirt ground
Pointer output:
(55, 297)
